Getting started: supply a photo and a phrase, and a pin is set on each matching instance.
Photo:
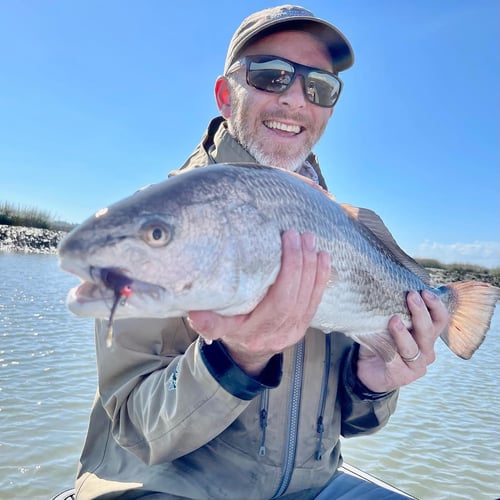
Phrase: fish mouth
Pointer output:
(102, 285)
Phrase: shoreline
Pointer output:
(30, 240)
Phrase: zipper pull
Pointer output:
(319, 429)
(263, 425)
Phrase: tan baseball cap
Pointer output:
(287, 17)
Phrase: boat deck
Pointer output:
(353, 484)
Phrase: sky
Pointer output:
(99, 98)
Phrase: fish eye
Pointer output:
(156, 234)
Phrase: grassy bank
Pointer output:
(16, 215)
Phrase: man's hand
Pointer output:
(429, 318)
(282, 318)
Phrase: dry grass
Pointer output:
(16, 215)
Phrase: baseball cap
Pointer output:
(287, 17)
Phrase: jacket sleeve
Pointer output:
(363, 411)
(165, 392)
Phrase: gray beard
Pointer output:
(277, 160)
(279, 157)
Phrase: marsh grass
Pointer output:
(17, 215)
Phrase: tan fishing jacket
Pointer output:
(176, 416)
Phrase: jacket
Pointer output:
(176, 416)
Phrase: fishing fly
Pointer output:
(121, 285)
(121, 297)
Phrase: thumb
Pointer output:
(204, 323)
(212, 326)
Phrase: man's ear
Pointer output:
(223, 96)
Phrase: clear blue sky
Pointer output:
(98, 98)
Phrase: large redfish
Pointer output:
(210, 239)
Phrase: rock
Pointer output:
(29, 239)
(443, 276)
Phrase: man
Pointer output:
(255, 410)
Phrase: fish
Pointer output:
(210, 239)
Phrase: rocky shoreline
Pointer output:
(443, 276)
(22, 239)
(44, 241)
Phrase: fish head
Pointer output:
(174, 246)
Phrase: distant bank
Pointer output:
(44, 241)
(29, 239)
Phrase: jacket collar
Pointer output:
(219, 146)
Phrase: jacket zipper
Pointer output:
(293, 420)
(320, 427)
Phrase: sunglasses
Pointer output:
(275, 74)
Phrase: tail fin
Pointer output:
(472, 304)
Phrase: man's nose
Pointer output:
(294, 96)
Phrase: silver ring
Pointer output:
(413, 358)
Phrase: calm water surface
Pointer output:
(442, 443)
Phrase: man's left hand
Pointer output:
(415, 348)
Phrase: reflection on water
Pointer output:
(443, 442)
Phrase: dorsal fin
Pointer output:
(376, 226)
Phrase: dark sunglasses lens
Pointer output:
(276, 75)
(272, 76)
(321, 88)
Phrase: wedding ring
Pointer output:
(413, 358)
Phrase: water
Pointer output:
(442, 443)
(47, 378)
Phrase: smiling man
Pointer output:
(278, 130)
(257, 412)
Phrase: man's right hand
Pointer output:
(283, 316)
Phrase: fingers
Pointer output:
(322, 278)
(406, 345)
(299, 286)
(312, 279)
(306, 271)
(429, 318)
(285, 289)
(437, 310)
(411, 346)
(423, 329)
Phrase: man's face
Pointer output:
(280, 129)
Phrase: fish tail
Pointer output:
(471, 305)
